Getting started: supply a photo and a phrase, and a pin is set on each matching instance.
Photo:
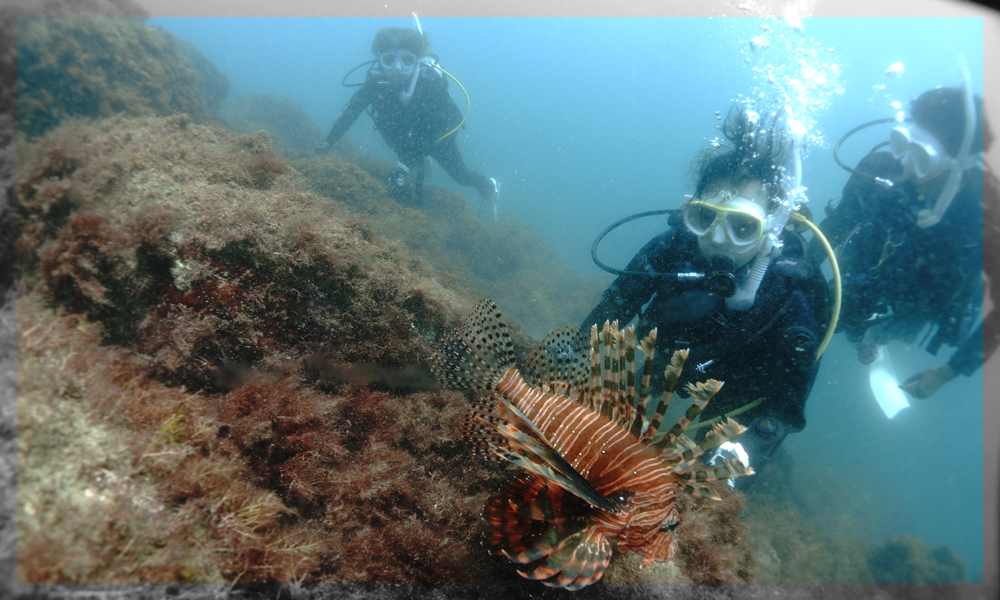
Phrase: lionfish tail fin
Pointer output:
(477, 355)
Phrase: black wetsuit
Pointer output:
(413, 129)
(767, 351)
(908, 277)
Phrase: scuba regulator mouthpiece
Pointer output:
(720, 281)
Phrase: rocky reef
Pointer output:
(84, 67)
(288, 125)
(905, 559)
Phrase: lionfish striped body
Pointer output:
(597, 470)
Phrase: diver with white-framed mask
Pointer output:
(909, 233)
(405, 92)
(731, 281)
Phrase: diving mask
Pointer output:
(742, 219)
(397, 60)
(920, 152)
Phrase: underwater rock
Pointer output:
(905, 559)
(202, 250)
(97, 67)
(288, 125)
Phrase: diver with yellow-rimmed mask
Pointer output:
(406, 94)
(731, 280)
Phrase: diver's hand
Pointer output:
(322, 148)
(925, 383)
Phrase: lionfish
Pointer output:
(596, 470)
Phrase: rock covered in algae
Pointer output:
(97, 67)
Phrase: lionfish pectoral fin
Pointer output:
(578, 560)
(555, 537)
(536, 454)
(545, 463)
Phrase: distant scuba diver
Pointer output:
(406, 94)
(733, 284)
(911, 240)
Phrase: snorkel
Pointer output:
(929, 217)
(430, 61)
(405, 95)
(793, 196)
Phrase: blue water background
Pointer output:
(585, 121)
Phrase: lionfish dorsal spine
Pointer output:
(607, 390)
(596, 381)
(671, 375)
(613, 376)
(702, 393)
(647, 345)
(628, 348)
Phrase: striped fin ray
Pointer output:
(723, 469)
(560, 363)
(529, 449)
(532, 521)
(702, 393)
(607, 391)
(511, 532)
(647, 345)
(672, 374)
(477, 354)
(628, 353)
(596, 379)
(551, 540)
(721, 433)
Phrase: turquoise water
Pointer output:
(585, 121)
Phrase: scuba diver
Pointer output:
(730, 282)
(910, 237)
(407, 98)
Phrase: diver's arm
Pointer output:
(793, 361)
(352, 111)
(626, 294)
(983, 342)
(991, 261)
